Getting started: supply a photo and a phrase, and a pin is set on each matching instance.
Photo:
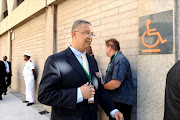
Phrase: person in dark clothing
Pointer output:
(9, 74)
(69, 83)
(3, 76)
(89, 51)
(172, 94)
(118, 80)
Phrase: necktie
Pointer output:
(85, 65)
(5, 65)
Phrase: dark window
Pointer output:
(5, 13)
(19, 2)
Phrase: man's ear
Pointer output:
(110, 48)
(73, 34)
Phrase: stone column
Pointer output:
(9, 48)
(153, 69)
(50, 31)
(50, 39)
(11, 4)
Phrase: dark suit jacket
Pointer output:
(10, 71)
(62, 75)
(172, 94)
(3, 73)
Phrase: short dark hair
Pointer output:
(27, 56)
(79, 22)
(113, 43)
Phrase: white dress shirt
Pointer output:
(78, 55)
(7, 66)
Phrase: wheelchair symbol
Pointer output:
(152, 32)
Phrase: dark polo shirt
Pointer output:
(120, 69)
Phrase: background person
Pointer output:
(172, 94)
(29, 76)
(3, 76)
(118, 80)
(89, 51)
(9, 74)
(69, 81)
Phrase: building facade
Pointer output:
(43, 27)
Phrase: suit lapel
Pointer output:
(93, 69)
(9, 66)
(71, 58)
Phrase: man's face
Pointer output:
(4, 58)
(83, 36)
(25, 58)
(107, 50)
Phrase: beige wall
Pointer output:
(115, 18)
(152, 69)
(4, 46)
(110, 19)
(29, 38)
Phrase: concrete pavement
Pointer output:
(12, 108)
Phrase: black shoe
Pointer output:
(5, 94)
(25, 101)
(30, 104)
(0, 98)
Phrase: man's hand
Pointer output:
(87, 90)
(6, 78)
(118, 116)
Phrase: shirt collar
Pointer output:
(115, 53)
(77, 52)
(112, 57)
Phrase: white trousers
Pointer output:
(29, 81)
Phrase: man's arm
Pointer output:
(50, 92)
(107, 104)
(3, 70)
(119, 73)
(113, 84)
(10, 68)
(105, 100)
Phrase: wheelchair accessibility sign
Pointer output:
(156, 33)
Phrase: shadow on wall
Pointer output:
(36, 80)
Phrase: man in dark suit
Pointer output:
(3, 76)
(172, 94)
(69, 83)
(9, 74)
